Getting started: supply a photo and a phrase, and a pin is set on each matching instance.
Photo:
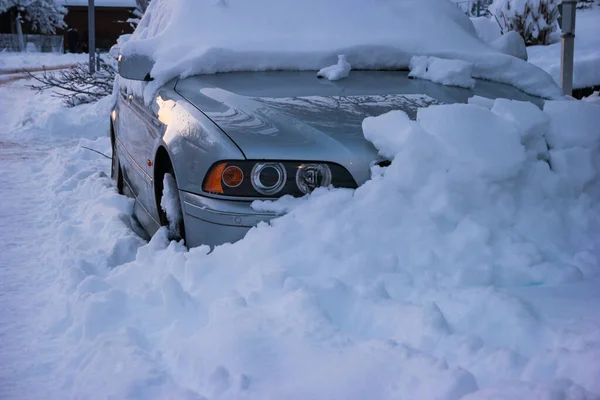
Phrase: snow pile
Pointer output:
(587, 52)
(187, 37)
(429, 279)
(336, 72)
(487, 29)
(511, 43)
(439, 70)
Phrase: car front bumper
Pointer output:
(214, 221)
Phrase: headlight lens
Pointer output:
(271, 179)
(268, 178)
(311, 176)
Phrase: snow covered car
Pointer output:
(208, 136)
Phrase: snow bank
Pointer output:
(587, 52)
(439, 70)
(188, 37)
(401, 286)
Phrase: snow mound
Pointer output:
(447, 72)
(187, 37)
(315, 305)
(487, 29)
(511, 43)
(336, 72)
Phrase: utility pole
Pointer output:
(92, 36)
(567, 46)
(20, 33)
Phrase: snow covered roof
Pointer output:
(99, 3)
(187, 37)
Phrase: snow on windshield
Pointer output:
(187, 37)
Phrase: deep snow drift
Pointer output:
(467, 267)
(187, 37)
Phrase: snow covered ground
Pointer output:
(467, 269)
(16, 62)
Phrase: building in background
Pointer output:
(111, 22)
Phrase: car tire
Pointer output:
(171, 213)
(115, 171)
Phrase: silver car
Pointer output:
(228, 139)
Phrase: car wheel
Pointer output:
(171, 214)
(116, 172)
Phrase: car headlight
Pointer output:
(268, 178)
(311, 176)
(273, 178)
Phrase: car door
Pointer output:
(137, 138)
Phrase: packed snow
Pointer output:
(187, 37)
(337, 71)
(439, 70)
(511, 43)
(487, 29)
(468, 268)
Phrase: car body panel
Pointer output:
(275, 115)
(296, 116)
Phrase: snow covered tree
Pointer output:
(534, 20)
(45, 16)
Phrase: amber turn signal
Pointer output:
(233, 176)
(212, 183)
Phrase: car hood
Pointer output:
(295, 116)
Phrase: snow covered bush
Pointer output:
(534, 20)
(44, 16)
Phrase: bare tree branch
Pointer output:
(76, 85)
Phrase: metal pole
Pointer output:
(20, 34)
(479, 8)
(567, 46)
(92, 36)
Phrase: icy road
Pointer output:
(419, 285)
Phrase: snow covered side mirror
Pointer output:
(135, 67)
